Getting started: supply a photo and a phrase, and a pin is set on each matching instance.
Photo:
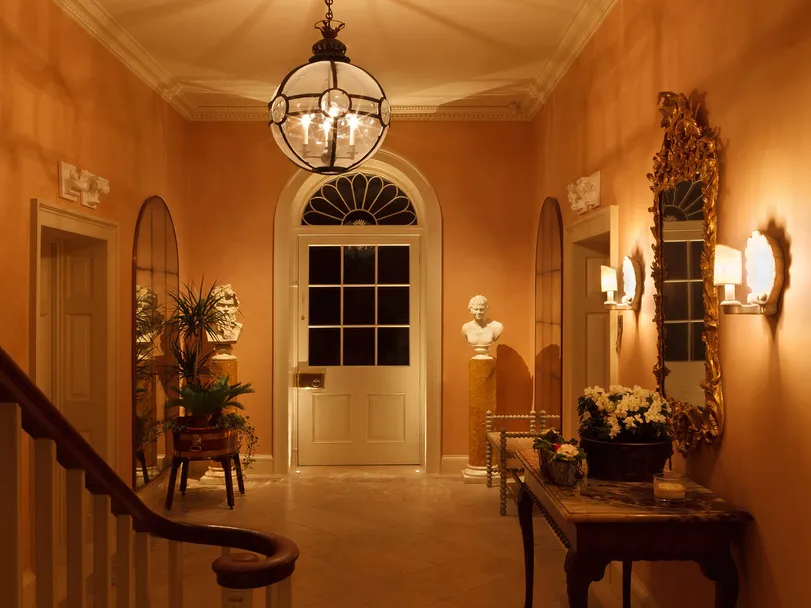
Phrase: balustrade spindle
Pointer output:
(175, 574)
(11, 511)
(102, 576)
(143, 577)
(123, 562)
(44, 521)
(74, 510)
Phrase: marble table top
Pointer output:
(593, 500)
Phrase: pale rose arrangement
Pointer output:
(623, 414)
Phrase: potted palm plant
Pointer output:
(207, 426)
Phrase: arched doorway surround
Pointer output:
(287, 229)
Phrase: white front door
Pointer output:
(358, 318)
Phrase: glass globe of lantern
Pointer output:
(328, 116)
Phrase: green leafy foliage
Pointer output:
(206, 400)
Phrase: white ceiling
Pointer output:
(436, 59)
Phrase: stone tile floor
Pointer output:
(375, 537)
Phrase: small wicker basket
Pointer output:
(559, 472)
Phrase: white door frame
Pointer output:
(287, 227)
(48, 215)
(595, 223)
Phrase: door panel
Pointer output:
(359, 320)
(83, 321)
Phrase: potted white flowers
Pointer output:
(559, 458)
(625, 432)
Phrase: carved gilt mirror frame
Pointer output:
(689, 153)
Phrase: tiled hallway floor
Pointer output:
(376, 539)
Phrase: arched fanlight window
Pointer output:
(683, 203)
(359, 199)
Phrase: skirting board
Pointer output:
(453, 465)
(262, 466)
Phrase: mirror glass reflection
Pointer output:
(155, 274)
(682, 238)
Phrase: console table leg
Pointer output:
(528, 537)
(626, 584)
(580, 573)
(722, 570)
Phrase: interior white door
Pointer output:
(81, 288)
(591, 317)
(359, 315)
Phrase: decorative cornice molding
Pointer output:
(399, 113)
(577, 35)
(98, 23)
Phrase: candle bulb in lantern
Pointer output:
(353, 125)
(305, 125)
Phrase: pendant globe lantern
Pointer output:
(328, 116)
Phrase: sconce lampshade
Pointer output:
(761, 268)
(728, 266)
(628, 280)
(608, 279)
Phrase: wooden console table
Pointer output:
(602, 521)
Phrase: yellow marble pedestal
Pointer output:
(481, 397)
(222, 364)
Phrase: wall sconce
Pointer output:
(630, 285)
(764, 275)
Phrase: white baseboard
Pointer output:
(262, 466)
(29, 589)
(453, 465)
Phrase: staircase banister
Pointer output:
(40, 418)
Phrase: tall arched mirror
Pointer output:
(548, 310)
(155, 276)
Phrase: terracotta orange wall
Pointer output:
(64, 97)
(751, 58)
(481, 174)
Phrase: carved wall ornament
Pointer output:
(81, 185)
(584, 193)
(689, 153)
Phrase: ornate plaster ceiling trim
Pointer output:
(98, 23)
(399, 113)
(577, 35)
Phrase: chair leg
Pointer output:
(184, 476)
(488, 461)
(502, 471)
(229, 483)
(240, 480)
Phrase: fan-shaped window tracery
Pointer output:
(359, 199)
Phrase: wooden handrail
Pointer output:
(41, 419)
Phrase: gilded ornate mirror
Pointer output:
(685, 186)
(155, 276)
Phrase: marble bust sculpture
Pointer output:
(228, 304)
(481, 333)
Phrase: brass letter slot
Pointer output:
(310, 379)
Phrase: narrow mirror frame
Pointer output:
(689, 152)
